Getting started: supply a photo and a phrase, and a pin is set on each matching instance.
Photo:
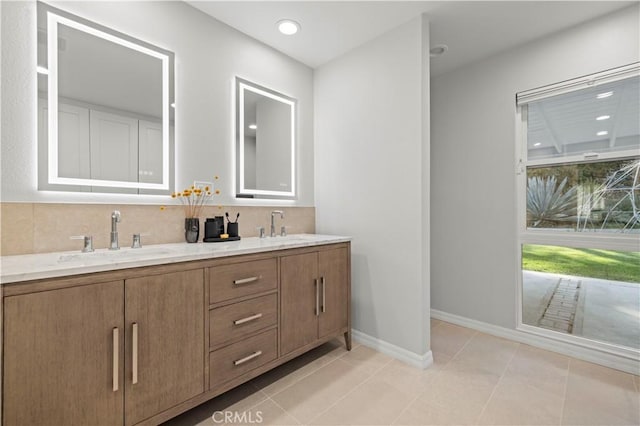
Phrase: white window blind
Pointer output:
(593, 80)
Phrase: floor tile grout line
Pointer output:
(352, 390)
(307, 375)
(564, 394)
(435, 375)
(418, 394)
(440, 322)
(285, 411)
(445, 367)
(493, 391)
(259, 402)
(525, 383)
(356, 387)
(475, 333)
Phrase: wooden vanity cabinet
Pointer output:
(164, 317)
(243, 318)
(103, 354)
(60, 350)
(140, 346)
(334, 292)
(314, 297)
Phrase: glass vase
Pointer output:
(191, 229)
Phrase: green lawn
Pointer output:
(604, 264)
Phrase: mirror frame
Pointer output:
(54, 17)
(240, 87)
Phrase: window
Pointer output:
(579, 210)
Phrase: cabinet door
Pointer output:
(164, 317)
(59, 356)
(334, 283)
(298, 282)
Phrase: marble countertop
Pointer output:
(60, 264)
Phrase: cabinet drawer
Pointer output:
(242, 279)
(235, 360)
(241, 319)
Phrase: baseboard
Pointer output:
(421, 361)
(629, 363)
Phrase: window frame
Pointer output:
(565, 237)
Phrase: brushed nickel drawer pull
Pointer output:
(247, 319)
(116, 362)
(315, 283)
(324, 294)
(246, 280)
(134, 355)
(247, 358)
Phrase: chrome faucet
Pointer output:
(273, 226)
(115, 218)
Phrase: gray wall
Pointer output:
(208, 56)
(371, 160)
(473, 191)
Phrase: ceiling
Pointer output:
(471, 29)
(594, 119)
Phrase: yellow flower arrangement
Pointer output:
(194, 198)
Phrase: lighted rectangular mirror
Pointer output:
(105, 108)
(265, 142)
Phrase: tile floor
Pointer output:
(476, 379)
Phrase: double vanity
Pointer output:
(137, 336)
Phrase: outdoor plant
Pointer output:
(621, 193)
(548, 202)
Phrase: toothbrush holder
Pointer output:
(232, 229)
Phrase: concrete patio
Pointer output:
(597, 309)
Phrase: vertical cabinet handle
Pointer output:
(315, 283)
(116, 362)
(324, 294)
(134, 354)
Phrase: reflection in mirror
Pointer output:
(265, 142)
(105, 109)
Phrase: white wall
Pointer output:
(371, 149)
(208, 55)
(473, 203)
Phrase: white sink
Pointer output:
(115, 255)
(297, 237)
(290, 240)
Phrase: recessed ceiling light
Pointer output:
(288, 27)
(253, 126)
(602, 133)
(537, 144)
(42, 70)
(438, 50)
(603, 117)
(604, 95)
